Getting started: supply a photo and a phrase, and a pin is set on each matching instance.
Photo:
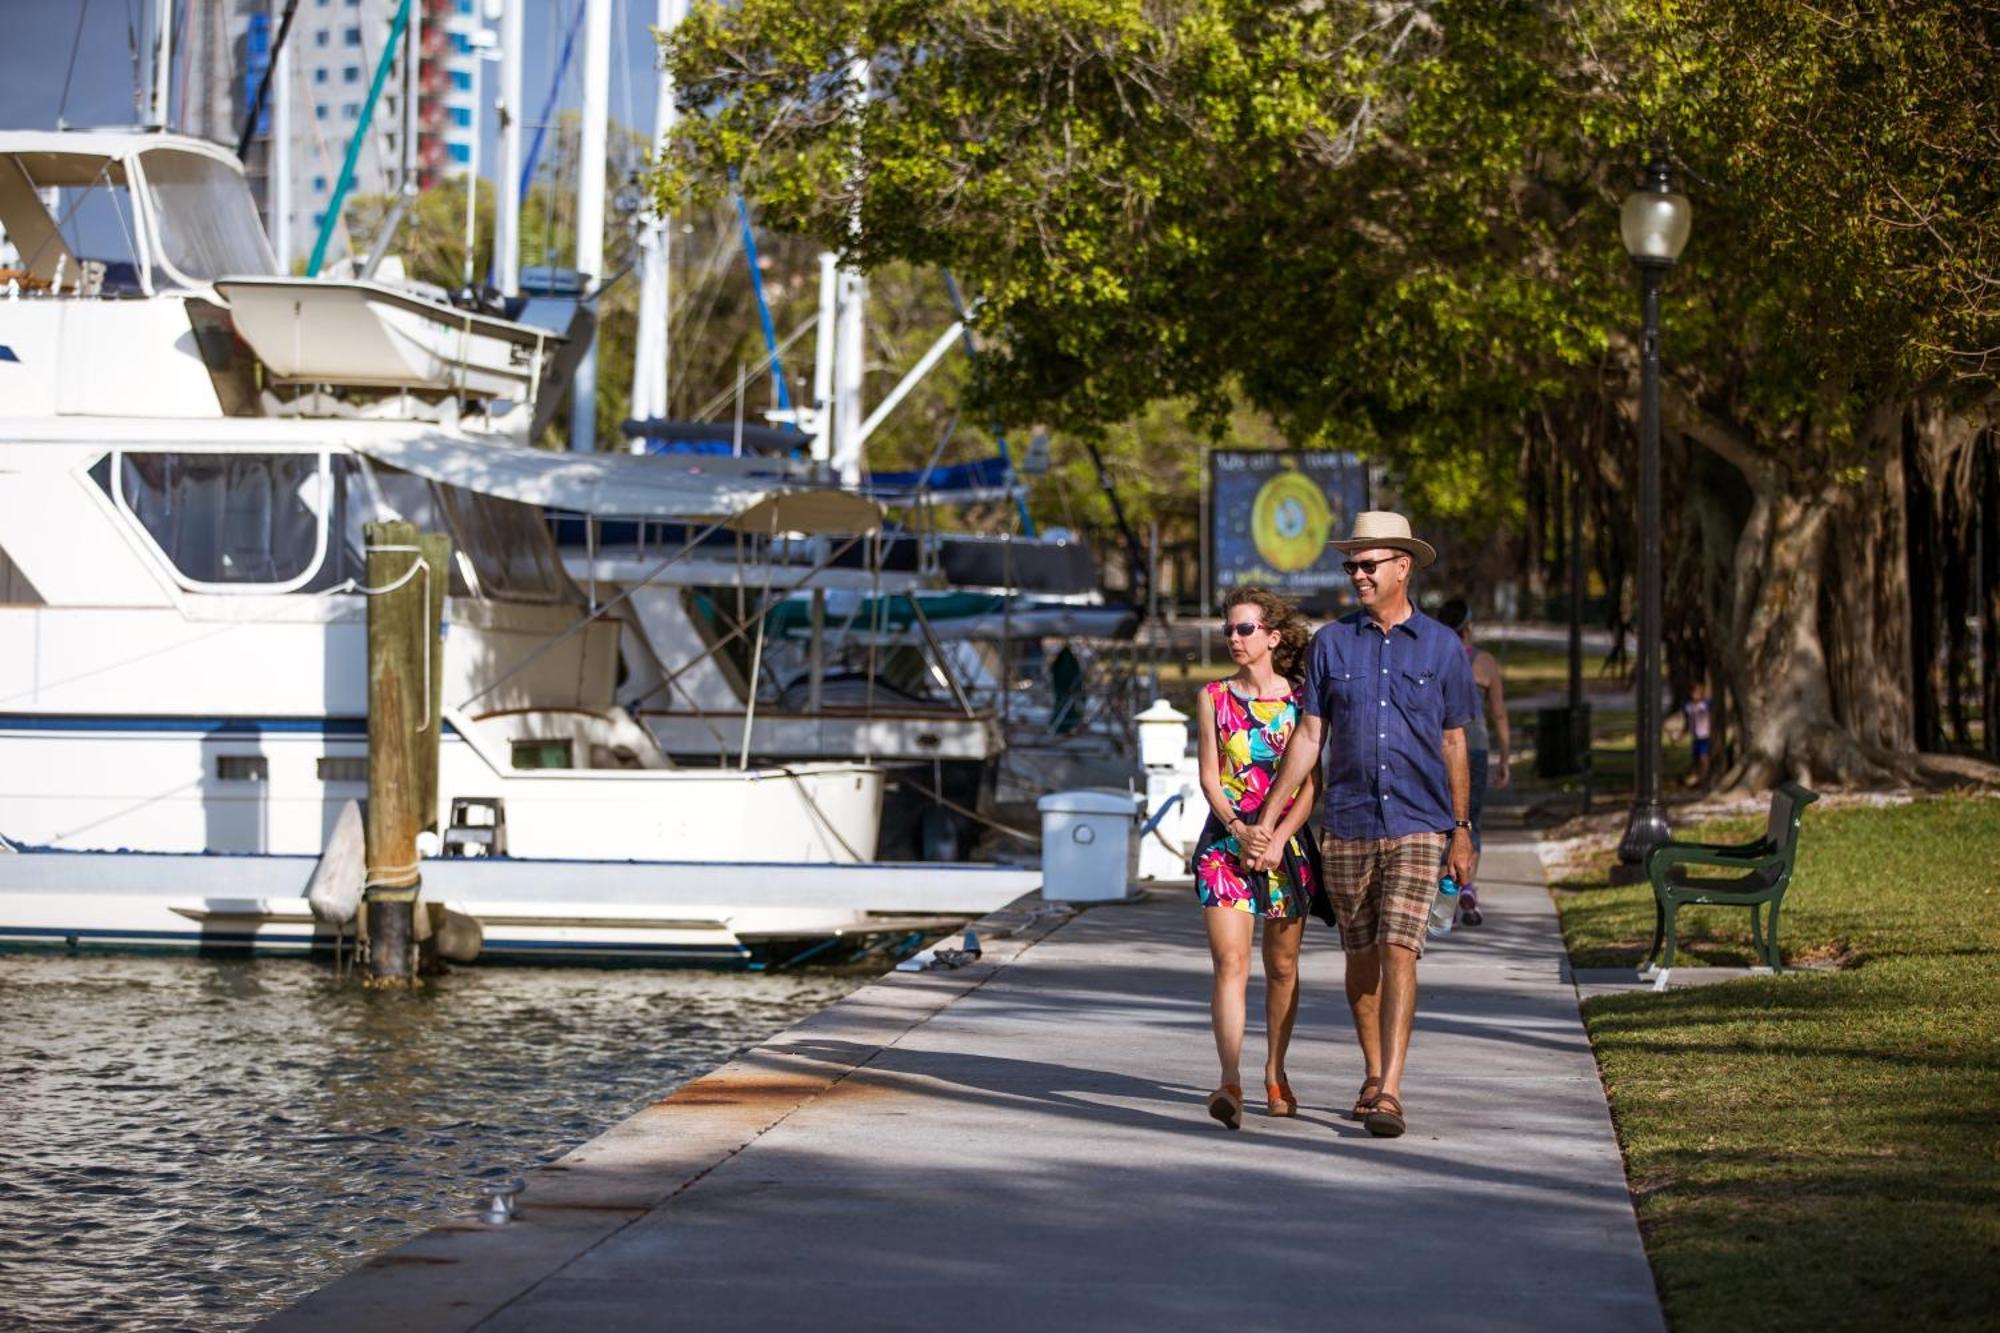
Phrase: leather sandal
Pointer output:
(1279, 1100)
(1385, 1117)
(1370, 1087)
(1226, 1105)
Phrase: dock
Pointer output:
(1020, 1144)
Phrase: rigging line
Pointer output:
(264, 84)
(549, 103)
(715, 403)
(55, 234)
(75, 45)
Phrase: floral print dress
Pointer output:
(1250, 736)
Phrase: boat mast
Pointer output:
(590, 209)
(650, 350)
(507, 214)
(852, 303)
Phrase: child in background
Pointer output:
(1696, 712)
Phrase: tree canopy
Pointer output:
(1393, 226)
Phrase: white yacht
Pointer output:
(182, 670)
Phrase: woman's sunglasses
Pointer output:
(1242, 628)
(1367, 567)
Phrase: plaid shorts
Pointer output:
(1382, 887)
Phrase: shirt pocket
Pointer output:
(1346, 685)
(1420, 695)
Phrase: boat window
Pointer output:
(207, 219)
(511, 552)
(542, 754)
(233, 519)
(71, 221)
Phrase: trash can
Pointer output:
(1089, 851)
(1562, 740)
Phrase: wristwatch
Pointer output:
(1462, 823)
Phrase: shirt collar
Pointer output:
(1364, 625)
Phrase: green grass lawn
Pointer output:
(1819, 1150)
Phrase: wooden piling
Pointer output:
(403, 726)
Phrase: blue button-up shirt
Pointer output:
(1386, 700)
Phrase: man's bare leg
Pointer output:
(1364, 997)
(1397, 1013)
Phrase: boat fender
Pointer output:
(334, 892)
(460, 937)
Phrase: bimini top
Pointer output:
(617, 485)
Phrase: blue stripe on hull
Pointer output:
(209, 726)
(276, 943)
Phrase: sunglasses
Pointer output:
(1367, 567)
(1242, 629)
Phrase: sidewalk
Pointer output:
(1021, 1145)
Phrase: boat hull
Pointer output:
(713, 913)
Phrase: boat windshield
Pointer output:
(208, 222)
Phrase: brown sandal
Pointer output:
(1279, 1100)
(1226, 1105)
(1365, 1099)
(1385, 1117)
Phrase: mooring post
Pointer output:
(400, 711)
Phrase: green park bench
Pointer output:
(1766, 871)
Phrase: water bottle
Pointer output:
(1444, 908)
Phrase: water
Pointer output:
(192, 1143)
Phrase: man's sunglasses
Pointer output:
(1241, 629)
(1367, 567)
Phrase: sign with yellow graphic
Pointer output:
(1271, 515)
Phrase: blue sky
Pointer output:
(36, 37)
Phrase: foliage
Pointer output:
(1392, 227)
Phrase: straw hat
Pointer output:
(1379, 527)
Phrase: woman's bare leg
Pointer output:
(1229, 934)
(1281, 991)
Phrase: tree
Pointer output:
(1392, 226)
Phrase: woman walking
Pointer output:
(1243, 872)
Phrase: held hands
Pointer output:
(1458, 858)
(1253, 839)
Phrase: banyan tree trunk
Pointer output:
(1781, 674)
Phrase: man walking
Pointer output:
(1387, 695)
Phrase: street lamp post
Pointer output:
(1654, 223)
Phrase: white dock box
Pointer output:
(1090, 853)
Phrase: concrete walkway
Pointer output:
(1021, 1145)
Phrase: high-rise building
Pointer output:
(336, 46)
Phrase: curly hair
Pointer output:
(1288, 655)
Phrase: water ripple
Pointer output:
(196, 1143)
